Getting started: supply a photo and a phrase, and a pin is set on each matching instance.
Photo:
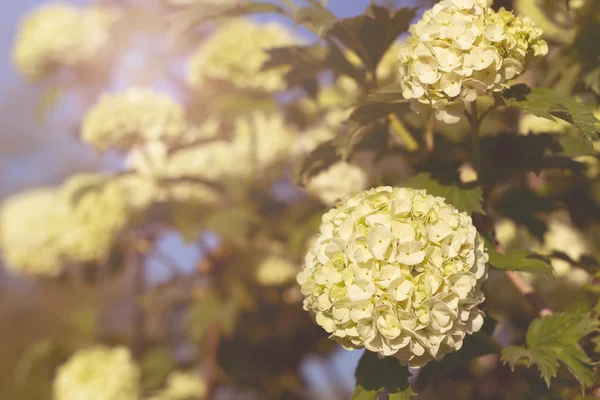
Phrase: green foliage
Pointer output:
(370, 35)
(375, 375)
(84, 320)
(546, 103)
(210, 310)
(380, 103)
(554, 340)
(232, 223)
(518, 260)
(467, 199)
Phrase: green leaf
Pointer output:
(387, 94)
(552, 341)
(374, 375)
(316, 17)
(209, 310)
(156, 364)
(379, 104)
(84, 319)
(464, 199)
(232, 223)
(318, 160)
(370, 35)
(546, 103)
(506, 154)
(518, 260)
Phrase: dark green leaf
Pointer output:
(370, 35)
(464, 199)
(546, 103)
(233, 223)
(506, 154)
(554, 340)
(387, 94)
(374, 375)
(318, 160)
(367, 113)
(518, 260)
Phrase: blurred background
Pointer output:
(40, 146)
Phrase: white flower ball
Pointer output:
(396, 271)
(58, 35)
(29, 227)
(338, 181)
(99, 210)
(237, 52)
(462, 49)
(131, 117)
(98, 373)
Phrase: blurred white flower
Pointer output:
(339, 180)
(460, 50)
(99, 209)
(275, 270)
(98, 373)
(182, 386)
(259, 141)
(58, 35)
(396, 271)
(30, 224)
(237, 52)
(134, 116)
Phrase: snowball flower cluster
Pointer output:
(338, 181)
(58, 35)
(183, 386)
(258, 142)
(98, 373)
(462, 49)
(29, 223)
(237, 52)
(396, 271)
(133, 116)
(99, 209)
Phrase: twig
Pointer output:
(211, 358)
(536, 302)
(475, 141)
(138, 342)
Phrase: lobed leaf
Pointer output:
(518, 260)
(465, 199)
(552, 341)
(375, 375)
(549, 104)
(369, 35)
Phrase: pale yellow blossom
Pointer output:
(396, 271)
(57, 35)
(134, 116)
(460, 50)
(237, 52)
(98, 373)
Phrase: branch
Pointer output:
(211, 358)
(525, 289)
(136, 261)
